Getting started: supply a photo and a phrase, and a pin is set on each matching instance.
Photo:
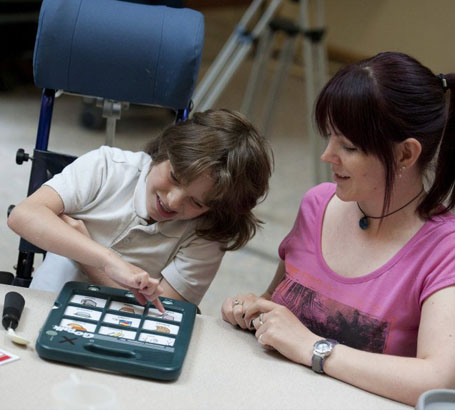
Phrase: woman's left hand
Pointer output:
(277, 327)
(234, 307)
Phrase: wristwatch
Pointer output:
(321, 350)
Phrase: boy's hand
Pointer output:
(137, 280)
(132, 277)
(150, 292)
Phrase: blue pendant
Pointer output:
(363, 223)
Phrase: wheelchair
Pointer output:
(113, 52)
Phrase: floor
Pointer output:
(247, 270)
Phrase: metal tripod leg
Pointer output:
(321, 57)
(257, 71)
(310, 42)
(222, 57)
(285, 58)
(309, 86)
(235, 50)
(225, 76)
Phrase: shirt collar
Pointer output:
(140, 193)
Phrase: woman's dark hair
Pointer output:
(239, 160)
(386, 99)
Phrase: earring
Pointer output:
(400, 173)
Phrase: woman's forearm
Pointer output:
(403, 378)
(399, 378)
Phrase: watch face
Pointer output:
(323, 347)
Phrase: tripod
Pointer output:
(240, 43)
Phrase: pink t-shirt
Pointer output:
(378, 312)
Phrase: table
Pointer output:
(225, 368)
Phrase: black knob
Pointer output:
(21, 156)
(12, 310)
(10, 208)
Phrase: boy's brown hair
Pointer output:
(239, 160)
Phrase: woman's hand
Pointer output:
(233, 309)
(277, 327)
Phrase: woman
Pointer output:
(365, 289)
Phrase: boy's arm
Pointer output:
(37, 220)
(98, 277)
(94, 275)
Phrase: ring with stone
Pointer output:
(236, 302)
(261, 319)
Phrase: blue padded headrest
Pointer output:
(119, 50)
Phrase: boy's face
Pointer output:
(167, 199)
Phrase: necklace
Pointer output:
(363, 221)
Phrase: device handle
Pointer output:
(109, 351)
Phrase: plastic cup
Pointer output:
(76, 394)
(437, 399)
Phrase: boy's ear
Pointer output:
(408, 152)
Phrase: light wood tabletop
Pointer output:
(225, 368)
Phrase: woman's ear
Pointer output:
(408, 152)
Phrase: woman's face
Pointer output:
(359, 177)
(168, 199)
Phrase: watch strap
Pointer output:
(317, 361)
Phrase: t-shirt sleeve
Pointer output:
(309, 214)
(442, 272)
(79, 182)
(284, 243)
(193, 268)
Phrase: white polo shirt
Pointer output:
(106, 188)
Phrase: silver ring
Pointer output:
(261, 321)
(260, 340)
(236, 302)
